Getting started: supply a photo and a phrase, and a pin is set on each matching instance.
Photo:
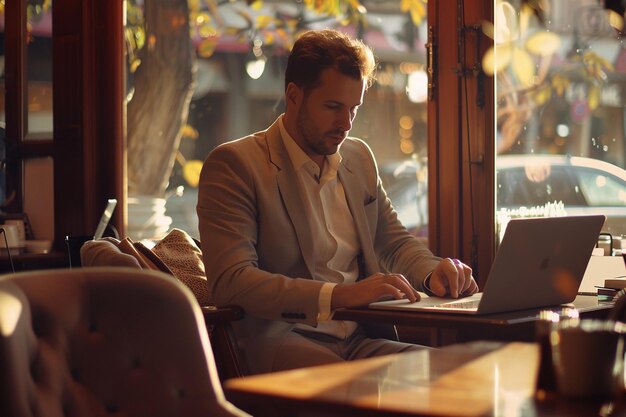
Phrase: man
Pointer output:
(294, 222)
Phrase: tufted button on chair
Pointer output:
(102, 341)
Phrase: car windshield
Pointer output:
(601, 189)
(525, 186)
(573, 186)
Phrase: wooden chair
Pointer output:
(230, 363)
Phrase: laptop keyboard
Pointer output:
(469, 304)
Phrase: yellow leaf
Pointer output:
(488, 29)
(524, 19)
(207, 31)
(193, 5)
(543, 95)
(201, 18)
(189, 132)
(264, 21)
(543, 43)
(206, 48)
(496, 59)
(593, 97)
(134, 65)
(560, 84)
(417, 15)
(616, 20)
(604, 63)
(191, 172)
(523, 67)
(282, 34)
(356, 5)
(414, 7)
(506, 28)
(269, 38)
(140, 37)
(231, 31)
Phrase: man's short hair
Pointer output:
(318, 50)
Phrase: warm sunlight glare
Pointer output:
(10, 311)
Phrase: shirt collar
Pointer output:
(299, 158)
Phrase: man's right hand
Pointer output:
(371, 289)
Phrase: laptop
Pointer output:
(540, 263)
(105, 218)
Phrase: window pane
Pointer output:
(39, 64)
(2, 112)
(239, 90)
(39, 196)
(560, 99)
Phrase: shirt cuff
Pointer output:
(324, 302)
(426, 284)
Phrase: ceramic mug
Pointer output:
(11, 233)
(21, 230)
(588, 358)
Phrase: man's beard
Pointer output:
(312, 137)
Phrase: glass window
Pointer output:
(26, 83)
(239, 52)
(2, 112)
(39, 69)
(39, 196)
(561, 78)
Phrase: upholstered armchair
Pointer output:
(105, 341)
(179, 256)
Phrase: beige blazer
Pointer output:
(256, 241)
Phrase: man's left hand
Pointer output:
(452, 278)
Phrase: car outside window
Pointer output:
(602, 189)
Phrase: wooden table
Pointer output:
(454, 328)
(465, 380)
(31, 261)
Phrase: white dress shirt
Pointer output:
(334, 233)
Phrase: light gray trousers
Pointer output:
(301, 349)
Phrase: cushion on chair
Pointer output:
(176, 254)
(97, 342)
(183, 257)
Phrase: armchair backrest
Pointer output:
(180, 256)
(95, 341)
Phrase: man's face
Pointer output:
(325, 113)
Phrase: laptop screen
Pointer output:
(105, 218)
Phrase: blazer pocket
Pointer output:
(371, 214)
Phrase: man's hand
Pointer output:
(372, 289)
(452, 277)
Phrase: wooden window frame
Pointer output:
(461, 142)
(88, 114)
(87, 139)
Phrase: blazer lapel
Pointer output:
(291, 194)
(353, 188)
